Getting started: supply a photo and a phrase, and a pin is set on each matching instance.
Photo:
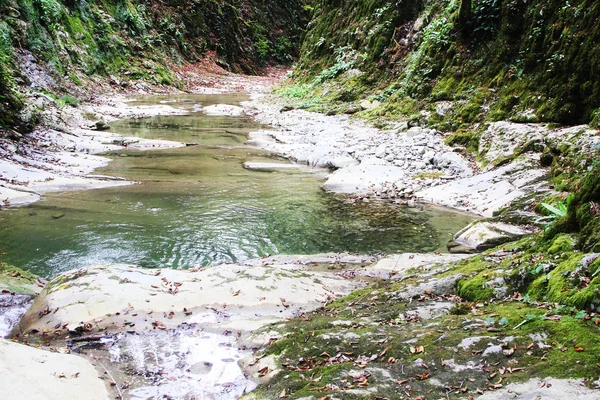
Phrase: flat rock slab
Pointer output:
(126, 298)
(487, 192)
(29, 373)
(363, 178)
(483, 235)
(400, 263)
(223, 110)
(184, 332)
(262, 166)
(547, 389)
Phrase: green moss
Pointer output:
(561, 244)
(17, 280)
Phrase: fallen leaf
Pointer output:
(422, 377)
(579, 348)
(159, 325)
(263, 371)
(417, 349)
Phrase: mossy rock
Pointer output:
(16, 280)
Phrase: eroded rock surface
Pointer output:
(29, 373)
(484, 235)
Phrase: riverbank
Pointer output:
(402, 163)
(61, 154)
(383, 323)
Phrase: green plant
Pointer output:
(556, 211)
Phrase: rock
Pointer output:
(90, 294)
(458, 248)
(381, 151)
(428, 157)
(101, 126)
(223, 110)
(414, 131)
(342, 162)
(206, 314)
(367, 105)
(260, 166)
(548, 389)
(402, 127)
(483, 235)
(29, 373)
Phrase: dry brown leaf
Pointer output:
(422, 377)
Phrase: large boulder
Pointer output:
(180, 334)
(483, 235)
(126, 298)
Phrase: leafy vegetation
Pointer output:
(497, 59)
(138, 40)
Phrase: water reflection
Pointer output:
(198, 205)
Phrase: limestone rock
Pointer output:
(104, 295)
(101, 126)
(29, 373)
(483, 235)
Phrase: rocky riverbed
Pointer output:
(220, 332)
(190, 334)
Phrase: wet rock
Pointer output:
(205, 314)
(223, 110)
(12, 308)
(261, 166)
(483, 235)
(99, 296)
(16, 281)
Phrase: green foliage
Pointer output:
(136, 39)
(558, 210)
(526, 61)
(345, 58)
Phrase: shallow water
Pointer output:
(197, 205)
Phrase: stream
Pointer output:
(197, 205)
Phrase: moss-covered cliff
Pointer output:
(140, 39)
(523, 60)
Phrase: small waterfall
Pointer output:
(12, 308)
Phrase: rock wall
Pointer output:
(129, 40)
(524, 60)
